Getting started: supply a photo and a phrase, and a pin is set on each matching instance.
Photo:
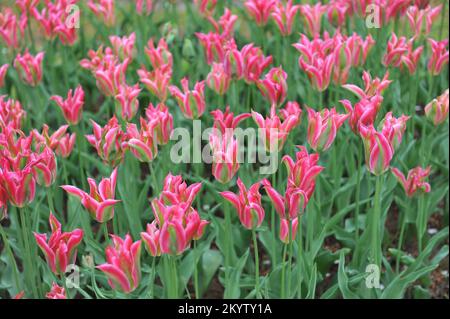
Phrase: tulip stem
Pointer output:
(283, 270)
(11, 256)
(299, 256)
(272, 225)
(255, 247)
(105, 232)
(400, 241)
(291, 243)
(29, 269)
(358, 189)
(152, 279)
(422, 222)
(376, 217)
(50, 199)
(197, 292)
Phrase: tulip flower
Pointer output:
(394, 128)
(65, 145)
(217, 79)
(224, 149)
(284, 16)
(100, 200)
(176, 191)
(400, 53)
(248, 204)
(72, 106)
(359, 48)
(439, 56)
(11, 113)
(274, 131)
(52, 141)
(123, 265)
(44, 168)
(364, 112)
(19, 185)
(415, 181)
(3, 201)
(159, 56)
(213, 45)
(11, 26)
(150, 238)
(206, 7)
(56, 292)
(417, 17)
(128, 103)
(3, 71)
(144, 4)
(274, 86)
(29, 67)
(372, 87)
(111, 76)
(285, 227)
(227, 120)
(337, 12)
(437, 110)
(225, 25)
(142, 143)
(323, 127)
(313, 17)
(302, 172)
(260, 10)
(123, 46)
(104, 10)
(156, 81)
(254, 63)
(108, 141)
(191, 102)
(163, 122)
(60, 249)
(291, 109)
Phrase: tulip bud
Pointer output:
(437, 110)
(218, 79)
(29, 67)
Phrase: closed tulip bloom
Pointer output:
(56, 292)
(123, 46)
(342, 62)
(19, 185)
(191, 102)
(128, 103)
(29, 67)
(439, 56)
(159, 56)
(214, 46)
(157, 81)
(142, 143)
(285, 227)
(176, 191)
(111, 76)
(11, 113)
(100, 200)
(377, 148)
(400, 53)
(65, 145)
(319, 71)
(254, 62)
(337, 12)
(123, 264)
(217, 79)
(103, 9)
(150, 238)
(415, 182)
(233, 62)
(11, 27)
(3, 70)
(248, 204)
(260, 10)
(291, 109)
(162, 122)
(108, 141)
(44, 168)
(225, 24)
(323, 127)
(227, 120)
(44, 138)
(421, 20)
(274, 86)
(394, 128)
(72, 106)
(284, 16)
(372, 87)
(144, 7)
(437, 110)
(224, 149)
(313, 17)
(60, 249)
(364, 112)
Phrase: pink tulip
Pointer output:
(3, 201)
(394, 128)
(313, 17)
(110, 76)
(439, 56)
(144, 5)
(160, 56)
(417, 17)
(254, 63)
(291, 109)
(323, 127)
(176, 191)
(128, 103)
(217, 79)
(100, 200)
(260, 10)
(274, 86)
(163, 122)
(72, 106)
(225, 25)
(248, 204)
(56, 292)
(108, 141)
(284, 16)
(224, 149)
(151, 240)
(400, 53)
(11, 113)
(29, 67)
(415, 181)
(19, 185)
(213, 45)
(142, 143)
(437, 110)
(11, 26)
(44, 168)
(103, 9)
(274, 131)
(191, 102)
(52, 141)
(65, 145)
(123, 46)
(378, 149)
(206, 7)
(372, 87)
(123, 265)
(337, 12)
(227, 120)
(3, 71)
(60, 249)
(364, 112)
(156, 81)
(285, 228)
(233, 62)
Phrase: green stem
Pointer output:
(255, 246)
(376, 218)
(291, 244)
(283, 271)
(422, 222)
(152, 279)
(400, 241)
(105, 232)
(273, 226)
(197, 291)
(299, 255)
(29, 269)
(358, 190)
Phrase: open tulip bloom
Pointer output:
(254, 149)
